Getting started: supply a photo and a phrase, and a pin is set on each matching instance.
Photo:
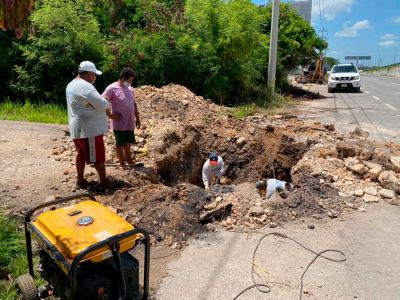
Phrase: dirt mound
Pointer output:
(178, 131)
(299, 93)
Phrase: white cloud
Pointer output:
(396, 20)
(364, 24)
(389, 36)
(330, 8)
(387, 43)
(352, 30)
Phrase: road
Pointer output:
(376, 109)
(218, 265)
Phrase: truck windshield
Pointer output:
(344, 69)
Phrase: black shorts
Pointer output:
(123, 137)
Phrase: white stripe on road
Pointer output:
(367, 92)
(398, 93)
(376, 98)
(396, 83)
(391, 107)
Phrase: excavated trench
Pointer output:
(269, 157)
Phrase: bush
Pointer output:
(64, 34)
(217, 48)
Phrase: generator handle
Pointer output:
(110, 241)
(31, 211)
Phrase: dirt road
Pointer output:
(28, 170)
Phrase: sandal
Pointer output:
(137, 164)
(84, 184)
(101, 187)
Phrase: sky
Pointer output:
(359, 27)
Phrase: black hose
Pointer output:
(264, 288)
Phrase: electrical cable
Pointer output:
(320, 14)
(266, 289)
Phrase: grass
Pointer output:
(274, 105)
(243, 111)
(41, 113)
(383, 68)
(12, 256)
(13, 259)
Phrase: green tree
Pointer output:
(330, 61)
(63, 34)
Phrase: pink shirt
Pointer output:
(122, 101)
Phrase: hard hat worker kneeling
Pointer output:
(213, 169)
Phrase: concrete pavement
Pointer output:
(376, 109)
(218, 265)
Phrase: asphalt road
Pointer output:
(376, 109)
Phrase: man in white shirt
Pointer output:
(213, 169)
(274, 185)
(87, 120)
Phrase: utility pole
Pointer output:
(321, 33)
(395, 56)
(273, 46)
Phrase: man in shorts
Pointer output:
(122, 98)
(87, 120)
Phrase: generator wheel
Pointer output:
(27, 287)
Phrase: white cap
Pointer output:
(88, 66)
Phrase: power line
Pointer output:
(323, 12)
(320, 14)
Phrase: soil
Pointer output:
(166, 197)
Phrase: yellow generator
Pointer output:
(84, 252)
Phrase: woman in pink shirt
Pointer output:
(122, 98)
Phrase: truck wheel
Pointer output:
(27, 287)
(330, 90)
(357, 89)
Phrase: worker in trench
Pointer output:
(266, 188)
(213, 169)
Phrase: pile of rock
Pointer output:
(357, 168)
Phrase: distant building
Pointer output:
(303, 7)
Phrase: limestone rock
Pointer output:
(345, 150)
(395, 160)
(387, 194)
(389, 180)
(374, 172)
(351, 162)
(355, 165)
(358, 193)
(333, 214)
(371, 191)
(369, 198)
(210, 206)
(241, 141)
(367, 153)
(393, 201)
(359, 133)
(256, 211)
(273, 225)
(360, 169)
